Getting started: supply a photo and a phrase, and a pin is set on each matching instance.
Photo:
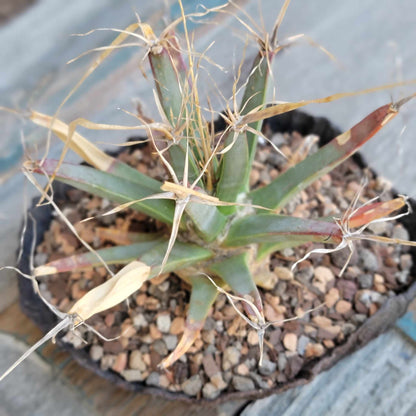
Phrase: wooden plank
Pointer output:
(380, 379)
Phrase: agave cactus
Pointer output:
(219, 232)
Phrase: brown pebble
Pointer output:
(141, 299)
(347, 288)
(390, 262)
(331, 297)
(109, 319)
(373, 309)
(164, 381)
(310, 331)
(152, 304)
(113, 347)
(329, 332)
(314, 350)
(253, 337)
(378, 279)
(271, 314)
(380, 288)
(322, 276)
(177, 326)
(343, 307)
(294, 365)
(283, 273)
(322, 321)
(254, 177)
(242, 370)
(154, 332)
(210, 366)
(127, 329)
(77, 292)
(120, 363)
(218, 381)
(290, 341)
(360, 307)
(328, 343)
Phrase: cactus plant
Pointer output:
(219, 233)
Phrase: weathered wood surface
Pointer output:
(378, 380)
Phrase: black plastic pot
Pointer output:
(383, 319)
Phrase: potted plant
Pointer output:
(205, 218)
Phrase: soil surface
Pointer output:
(225, 356)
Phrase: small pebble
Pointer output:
(365, 281)
(219, 382)
(153, 379)
(343, 307)
(358, 318)
(163, 323)
(242, 383)
(328, 343)
(231, 357)
(303, 341)
(253, 338)
(242, 370)
(136, 361)
(402, 277)
(120, 362)
(340, 257)
(348, 328)
(367, 297)
(314, 350)
(281, 362)
(406, 261)
(170, 341)
(192, 386)
(210, 365)
(107, 361)
(259, 381)
(400, 232)
(294, 364)
(290, 341)
(74, 338)
(283, 273)
(267, 367)
(160, 347)
(139, 321)
(369, 260)
(322, 276)
(96, 352)
(331, 297)
(177, 326)
(322, 321)
(133, 375)
(208, 336)
(210, 392)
